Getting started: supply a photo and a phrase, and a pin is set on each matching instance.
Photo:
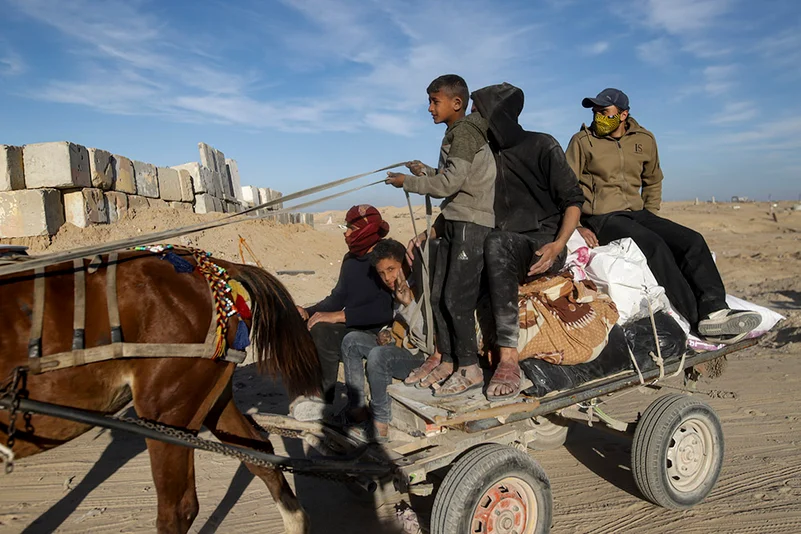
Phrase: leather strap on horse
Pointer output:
(79, 314)
(111, 298)
(37, 318)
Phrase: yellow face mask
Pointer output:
(604, 125)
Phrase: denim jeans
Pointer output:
(383, 364)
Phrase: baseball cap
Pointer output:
(608, 97)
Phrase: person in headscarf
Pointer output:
(360, 301)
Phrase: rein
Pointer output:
(59, 257)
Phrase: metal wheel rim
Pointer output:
(508, 506)
(690, 455)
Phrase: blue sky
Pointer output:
(304, 91)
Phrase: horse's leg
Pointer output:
(173, 470)
(229, 425)
(184, 404)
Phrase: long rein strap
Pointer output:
(51, 259)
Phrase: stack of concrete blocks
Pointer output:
(44, 185)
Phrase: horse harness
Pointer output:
(214, 347)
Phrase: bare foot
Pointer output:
(424, 370)
(381, 429)
(505, 383)
(464, 379)
(438, 375)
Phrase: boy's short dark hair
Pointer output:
(387, 248)
(452, 84)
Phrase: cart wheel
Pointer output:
(493, 489)
(677, 451)
(551, 433)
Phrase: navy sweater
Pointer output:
(361, 293)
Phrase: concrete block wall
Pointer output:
(44, 185)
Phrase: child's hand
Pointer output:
(384, 337)
(417, 167)
(403, 293)
(395, 179)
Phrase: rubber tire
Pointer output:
(649, 449)
(473, 473)
(552, 432)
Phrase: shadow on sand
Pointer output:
(330, 505)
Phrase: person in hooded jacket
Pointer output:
(537, 207)
(617, 164)
(360, 302)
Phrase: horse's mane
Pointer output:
(282, 343)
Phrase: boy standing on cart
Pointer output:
(465, 178)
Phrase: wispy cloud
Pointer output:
(780, 134)
(719, 79)
(656, 52)
(11, 64)
(734, 112)
(595, 49)
(681, 17)
(385, 55)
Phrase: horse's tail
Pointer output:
(282, 343)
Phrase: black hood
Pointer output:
(501, 105)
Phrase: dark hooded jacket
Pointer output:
(534, 184)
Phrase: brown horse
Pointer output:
(156, 305)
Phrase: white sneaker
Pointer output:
(728, 326)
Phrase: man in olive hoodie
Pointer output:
(617, 164)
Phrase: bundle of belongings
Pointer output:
(604, 315)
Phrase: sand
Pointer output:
(101, 481)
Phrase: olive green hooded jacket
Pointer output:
(617, 174)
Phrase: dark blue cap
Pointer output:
(608, 97)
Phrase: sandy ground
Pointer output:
(101, 482)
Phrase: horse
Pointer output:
(157, 304)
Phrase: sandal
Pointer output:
(509, 375)
(459, 383)
(423, 371)
(439, 375)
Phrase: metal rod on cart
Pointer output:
(299, 465)
(603, 387)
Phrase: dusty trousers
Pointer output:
(508, 256)
(456, 288)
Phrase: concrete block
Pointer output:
(219, 206)
(208, 156)
(250, 195)
(236, 182)
(187, 190)
(147, 180)
(30, 212)
(266, 194)
(203, 178)
(204, 203)
(61, 165)
(181, 206)
(85, 207)
(117, 204)
(12, 176)
(157, 203)
(124, 180)
(137, 203)
(308, 218)
(169, 184)
(283, 218)
(101, 168)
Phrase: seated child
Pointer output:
(394, 352)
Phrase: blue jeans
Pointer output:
(383, 364)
